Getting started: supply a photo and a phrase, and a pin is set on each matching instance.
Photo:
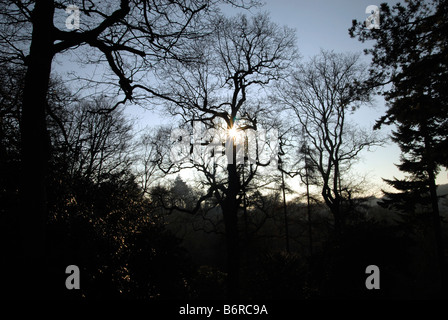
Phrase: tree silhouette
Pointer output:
(242, 54)
(131, 36)
(410, 55)
(321, 93)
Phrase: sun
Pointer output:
(233, 132)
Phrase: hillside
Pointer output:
(442, 190)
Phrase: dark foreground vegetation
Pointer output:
(129, 246)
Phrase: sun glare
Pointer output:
(233, 132)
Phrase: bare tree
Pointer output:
(240, 58)
(146, 167)
(129, 36)
(321, 93)
(96, 144)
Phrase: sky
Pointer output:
(324, 24)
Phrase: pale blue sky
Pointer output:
(320, 24)
(324, 24)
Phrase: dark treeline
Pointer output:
(250, 193)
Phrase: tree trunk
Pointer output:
(233, 258)
(230, 213)
(338, 223)
(308, 208)
(431, 169)
(435, 208)
(334, 205)
(35, 150)
(285, 214)
(437, 229)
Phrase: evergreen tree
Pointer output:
(410, 54)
